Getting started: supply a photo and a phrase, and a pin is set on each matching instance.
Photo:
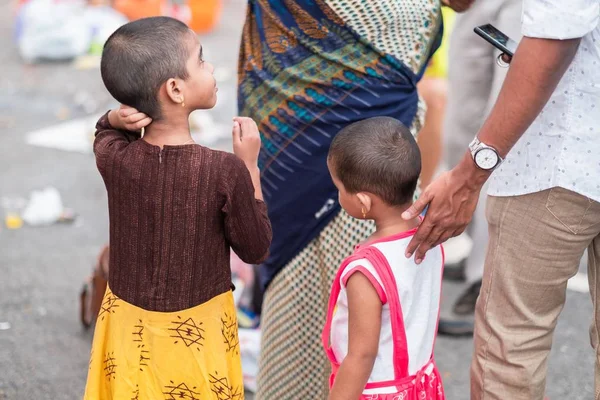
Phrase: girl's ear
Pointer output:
(174, 91)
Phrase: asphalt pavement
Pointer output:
(43, 348)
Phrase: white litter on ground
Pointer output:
(579, 283)
(44, 208)
(76, 135)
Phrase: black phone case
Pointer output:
(493, 42)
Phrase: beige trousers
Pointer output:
(536, 243)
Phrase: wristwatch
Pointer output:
(484, 156)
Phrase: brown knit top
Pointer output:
(174, 214)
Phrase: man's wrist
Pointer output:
(473, 175)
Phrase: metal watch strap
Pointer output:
(477, 144)
(474, 145)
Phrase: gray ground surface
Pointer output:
(44, 354)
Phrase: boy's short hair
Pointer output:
(140, 56)
(377, 155)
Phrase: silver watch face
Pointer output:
(486, 158)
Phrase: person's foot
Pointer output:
(456, 328)
(465, 305)
(455, 273)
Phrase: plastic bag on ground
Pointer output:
(44, 208)
(52, 29)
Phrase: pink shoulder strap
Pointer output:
(381, 265)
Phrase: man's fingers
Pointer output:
(445, 236)
(422, 233)
(427, 244)
(506, 58)
(418, 206)
(459, 231)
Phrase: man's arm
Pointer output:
(536, 70)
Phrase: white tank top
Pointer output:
(419, 290)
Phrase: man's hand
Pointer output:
(506, 58)
(128, 118)
(536, 69)
(452, 199)
(459, 5)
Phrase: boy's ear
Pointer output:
(174, 91)
(365, 201)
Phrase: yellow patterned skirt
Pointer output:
(190, 354)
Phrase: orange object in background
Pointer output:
(205, 14)
(136, 9)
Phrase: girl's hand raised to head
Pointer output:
(128, 118)
(246, 141)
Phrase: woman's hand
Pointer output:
(128, 118)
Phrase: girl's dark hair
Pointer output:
(377, 155)
(140, 56)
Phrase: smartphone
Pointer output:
(497, 39)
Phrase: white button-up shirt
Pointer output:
(562, 146)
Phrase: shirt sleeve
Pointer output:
(366, 268)
(247, 225)
(559, 19)
(108, 141)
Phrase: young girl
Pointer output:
(167, 328)
(384, 308)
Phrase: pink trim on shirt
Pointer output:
(371, 279)
(437, 325)
(391, 238)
